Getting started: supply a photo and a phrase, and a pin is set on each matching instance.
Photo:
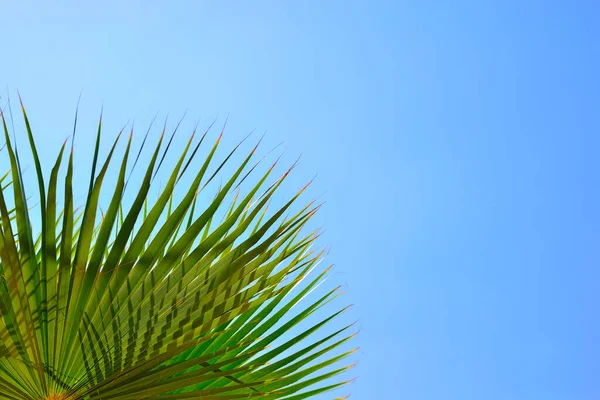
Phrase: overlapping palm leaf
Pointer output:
(166, 299)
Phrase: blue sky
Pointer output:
(456, 146)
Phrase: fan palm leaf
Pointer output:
(163, 299)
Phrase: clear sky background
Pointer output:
(456, 144)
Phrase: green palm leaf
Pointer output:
(165, 299)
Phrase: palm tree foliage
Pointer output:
(165, 298)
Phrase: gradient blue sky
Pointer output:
(456, 143)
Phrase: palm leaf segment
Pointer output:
(156, 300)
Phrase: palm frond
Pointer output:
(173, 298)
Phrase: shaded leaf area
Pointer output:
(166, 298)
